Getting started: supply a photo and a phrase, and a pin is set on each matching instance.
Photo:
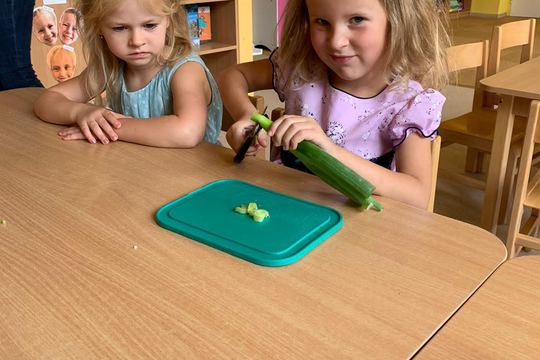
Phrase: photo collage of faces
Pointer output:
(56, 26)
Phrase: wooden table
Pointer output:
(517, 86)
(73, 285)
(500, 321)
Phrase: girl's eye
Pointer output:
(150, 26)
(118, 28)
(357, 20)
(50, 26)
(321, 22)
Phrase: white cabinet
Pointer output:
(525, 8)
(266, 15)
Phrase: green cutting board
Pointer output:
(207, 215)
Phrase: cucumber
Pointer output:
(330, 170)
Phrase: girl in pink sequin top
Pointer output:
(357, 78)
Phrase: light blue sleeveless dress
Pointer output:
(155, 99)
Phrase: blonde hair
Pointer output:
(73, 11)
(60, 48)
(103, 67)
(417, 39)
(45, 10)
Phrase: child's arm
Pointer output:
(411, 183)
(67, 104)
(235, 83)
(191, 95)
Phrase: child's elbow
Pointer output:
(185, 138)
(39, 107)
(422, 203)
(423, 199)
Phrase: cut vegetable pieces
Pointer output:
(253, 211)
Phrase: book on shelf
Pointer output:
(192, 12)
(205, 24)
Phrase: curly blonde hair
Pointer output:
(103, 67)
(416, 42)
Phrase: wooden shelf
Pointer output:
(232, 40)
(224, 39)
(189, 2)
(215, 47)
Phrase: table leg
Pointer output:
(497, 163)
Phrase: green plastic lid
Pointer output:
(293, 228)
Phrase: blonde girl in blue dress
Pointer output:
(155, 90)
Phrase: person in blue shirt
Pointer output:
(15, 34)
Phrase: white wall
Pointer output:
(528, 8)
(265, 23)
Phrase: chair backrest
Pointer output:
(435, 152)
(526, 195)
(510, 35)
(471, 56)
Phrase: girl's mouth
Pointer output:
(341, 59)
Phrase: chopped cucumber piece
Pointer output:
(242, 209)
(253, 210)
(260, 214)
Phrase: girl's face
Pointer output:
(349, 36)
(44, 28)
(63, 65)
(68, 28)
(134, 34)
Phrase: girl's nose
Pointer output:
(339, 38)
(48, 34)
(136, 39)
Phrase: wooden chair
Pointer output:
(476, 128)
(435, 152)
(510, 35)
(527, 193)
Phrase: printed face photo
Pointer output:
(62, 64)
(44, 28)
(69, 32)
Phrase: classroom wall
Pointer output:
(525, 8)
(490, 8)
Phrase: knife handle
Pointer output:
(245, 146)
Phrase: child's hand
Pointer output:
(239, 131)
(289, 130)
(95, 122)
(71, 133)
